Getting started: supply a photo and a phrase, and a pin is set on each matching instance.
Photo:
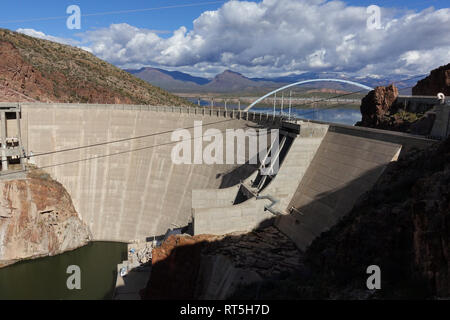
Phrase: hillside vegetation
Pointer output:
(33, 69)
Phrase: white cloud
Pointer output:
(275, 37)
(41, 35)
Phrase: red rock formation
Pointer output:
(19, 80)
(186, 267)
(437, 81)
(175, 268)
(377, 105)
(37, 218)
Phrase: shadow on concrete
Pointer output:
(235, 176)
(129, 286)
(244, 171)
(379, 230)
(313, 212)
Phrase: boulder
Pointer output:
(377, 105)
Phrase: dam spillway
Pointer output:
(131, 190)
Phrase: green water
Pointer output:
(46, 278)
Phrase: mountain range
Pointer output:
(233, 82)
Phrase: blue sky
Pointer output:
(164, 19)
(123, 38)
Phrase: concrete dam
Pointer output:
(115, 161)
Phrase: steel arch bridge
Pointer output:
(303, 82)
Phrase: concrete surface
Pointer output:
(250, 214)
(343, 168)
(128, 196)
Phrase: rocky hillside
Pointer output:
(437, 81)
(402, 225)
(37, 218)
(33, 69)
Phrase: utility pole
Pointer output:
(290, 104)
(274, 104)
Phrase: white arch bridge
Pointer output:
(304, 82)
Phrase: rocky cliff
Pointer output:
(437, 81)
(37, 218)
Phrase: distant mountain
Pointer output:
(176, 75)
(230, 81)
(295, 77)
(225, 82)
(371, 81)
(234, 82)
(169, 80)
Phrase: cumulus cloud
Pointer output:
(276, 37)
(42, 35)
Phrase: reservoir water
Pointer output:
(348, 115)
(45, 278)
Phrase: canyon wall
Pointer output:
(37, 218)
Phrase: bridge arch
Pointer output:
(303, 82)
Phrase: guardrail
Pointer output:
(231, 113)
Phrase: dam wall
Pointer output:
(115, 161)
(130, 189)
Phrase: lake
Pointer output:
(328, 113)
(45, 278)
